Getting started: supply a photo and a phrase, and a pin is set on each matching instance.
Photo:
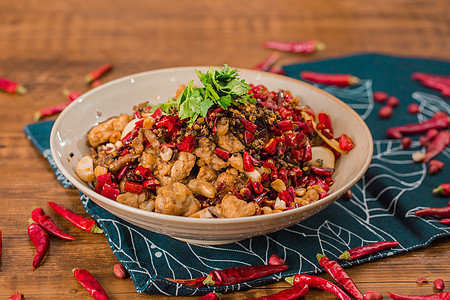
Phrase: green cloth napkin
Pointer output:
(382, 207)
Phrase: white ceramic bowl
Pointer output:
(110, 99)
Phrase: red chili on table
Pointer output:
(268, 62)
(440, 296)
(17, 296)
(50, 110)
(41, 241)
(319, 283)
(297, 47)
(367, 249)
(439, 284)
(49, 225)
(88, 281)
(241, 274)
(12, 86)
(294, 292)
(339, 275)
(331, 79)
(210, 296)
(80, 222)
(443, 189)
(434, 211)
(97, 73)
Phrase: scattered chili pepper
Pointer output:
(319, 283)
(406, 142)
(439, 284)
(17, 296)
(294, 292)
(445, 221)
(268, 62)
(120, 271)
(436, 77)
(88, 281)
(435, 166)
(380, 96)
(80, 222)
(393, 101)
(133, 187)
(196, 282)
(297, 47)
(438, 82)
(372, 295)
(50, 110)
(434, 211)
(331, 79)
(437, 145)
(11, 86)
(436, 122)
(97, 73)
(223, 154)
(421, 280)
(367, 249)
(440, 296)
(71, 95)
(275, 260)
(48, 224)
(413, 109)
(338, 273)
(345, 142)
(187, 144)
(40, 239)
(251, 127)
(210, 296)
(241, 274)
(443, 189)
(385, 112)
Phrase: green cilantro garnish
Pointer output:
(221, 86)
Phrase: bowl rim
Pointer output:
(89, 192)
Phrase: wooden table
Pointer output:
(51, 45)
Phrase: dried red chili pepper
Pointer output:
(17, 296)
(339, 275)
(210, 296)
(437, 145)
(322, 171)
(435, 166)
(241, 274)
(223, 154)
(367, 249)
(133, 187)
(445, 221)
(372, 295)
(71, 95)
(440, 296)
(50, 110)
(80, 222)
(49, 225)
(41, 241)
(196, 282)
(434, 211)
(425, 76)
(88, 281)
(341, 80)
(97, 73)
(247, 124)
(109, 191)
(345, 142)
(325, 119)
(187, 144)
(438, 82)
(439, 284)
(294, 292)
(268, 62)
(437, 122)
(11, 86)
(443, 189)
(319, 283)
(275, 260)
(296, 47)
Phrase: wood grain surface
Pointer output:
(51, 45)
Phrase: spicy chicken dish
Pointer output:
(224, 150)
